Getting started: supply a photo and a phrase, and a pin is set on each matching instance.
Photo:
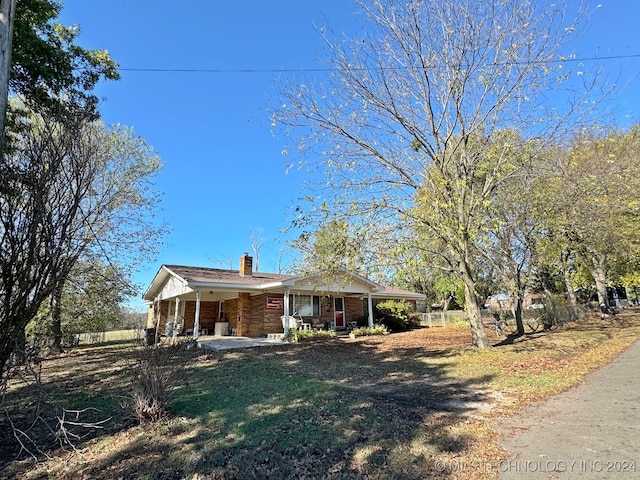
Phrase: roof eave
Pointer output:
(224, 286)
(409, 295)
(158, 281)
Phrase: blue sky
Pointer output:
(224, 173)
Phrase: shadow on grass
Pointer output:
(327, 409)
(593, 327)
(90, 381)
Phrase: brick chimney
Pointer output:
(246, 265)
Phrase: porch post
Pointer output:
(175, 319)
(370, 308)
(286, 312)
(157, 314)
(196, 322)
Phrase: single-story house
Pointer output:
(504, 302)
(200, 300)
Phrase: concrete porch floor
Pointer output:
(226, 343)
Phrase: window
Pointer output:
(305, 305)
(374, 303)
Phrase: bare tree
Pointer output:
(403, 123)
(257, 242)
(226, 262)
(72, 189)
(46, 180)
(283, 265)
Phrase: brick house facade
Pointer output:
(253, 304)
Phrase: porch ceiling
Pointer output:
(207, 296)
(218, 296)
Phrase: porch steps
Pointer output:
(275, 336)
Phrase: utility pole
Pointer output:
(7, 13)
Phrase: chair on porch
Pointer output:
(304, 325)
(180, 326)
(294, 322)
(318, 325)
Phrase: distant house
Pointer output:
(200, 300)
(503, 302)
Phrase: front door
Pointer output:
(338, 312)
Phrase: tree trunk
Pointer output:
(479, 337)
(571, 290)
(568, 281)
(545, 281)
(7, 12)
(445, 303)
(56, 319)
(599, 273)
(13, 337)
(517, 313)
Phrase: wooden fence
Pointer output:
(111, 336)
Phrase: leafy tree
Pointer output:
(409, 126)
(329, 250)
(395, 315)
(509, 245)
(122, 231)
(631, 282)
(451, 291)
(92, 300)
(555, 261)
(53, 78)
(49, 72)
(591, 199)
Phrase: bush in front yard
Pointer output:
(155, 375)
(366, 331)
(397, 316)
(296, 335)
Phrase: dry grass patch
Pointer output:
(407, 405)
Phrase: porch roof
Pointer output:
(188, 278)
(181, 280)
(216, 275)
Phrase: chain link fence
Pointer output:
(547, 317)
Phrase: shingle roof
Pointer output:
(228, 279)
(217, 275)
(393, 291)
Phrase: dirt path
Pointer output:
(589, 432)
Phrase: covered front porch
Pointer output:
(199, 301)
(242, 314)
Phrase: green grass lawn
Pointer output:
(374, 407)
(111, 336)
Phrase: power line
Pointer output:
(223, 70)
(330, 69)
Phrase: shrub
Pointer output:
(296, 335)
(396, 315)
(368, 331)
(156, 372)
